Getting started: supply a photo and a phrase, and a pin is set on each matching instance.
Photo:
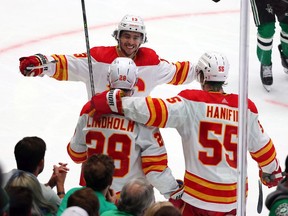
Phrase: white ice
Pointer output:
(177, 30)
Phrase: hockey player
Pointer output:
(130, 35)
(265, 13)
(137, 150)
(207, 121)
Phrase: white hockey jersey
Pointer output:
(152, 70)
(137, 150)
(208, 125)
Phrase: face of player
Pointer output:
(129, 43)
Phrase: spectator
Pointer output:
(277, 201)
(162, 208)
(137, 150)
(29, 154)
(74, 211)
(98, 174)
(4, 202)
(207, 121)
(20, 201)
(41, 207)
(86, 199)
(136, 196)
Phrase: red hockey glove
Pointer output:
(271, 179)
(107, 102)
(32, 61)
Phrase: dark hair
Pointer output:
(29, 152)
(136, 196)
(86, 199)
(20, 201)
(286, 165)
(98, 171)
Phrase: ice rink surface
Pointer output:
(177, 30)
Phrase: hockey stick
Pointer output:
(88, 47)
(260, 198)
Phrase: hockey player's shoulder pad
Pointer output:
(105, 54)
(146, 57)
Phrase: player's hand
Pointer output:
(271, 179)
(107, 102)
(32, 61)
(179, 192)
(175, 197)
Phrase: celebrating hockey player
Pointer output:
(130, 35)
(207, 121)
(137, 150)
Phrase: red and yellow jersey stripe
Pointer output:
(265, 155)
(76, 156)
(158, 112)
(156, 163)
(211, 192)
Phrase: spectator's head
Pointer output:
(74, 211)
(20, 201)
(28, 180)
(164, 208)
(212, 69)
(98, 172)
(86, 199)
(136, 196)
(4, 202)
(29, 154)
(286, 165)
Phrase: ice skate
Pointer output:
(266, 76)
(284, 59)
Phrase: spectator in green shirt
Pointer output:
(98, 174)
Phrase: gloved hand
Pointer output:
(175, 197)
(32, 61)
(107, 102)
(179, 192)
(271, 179)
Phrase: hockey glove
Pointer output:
(271, 179)
(107, 102)
(179, 192)
(33, 61)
